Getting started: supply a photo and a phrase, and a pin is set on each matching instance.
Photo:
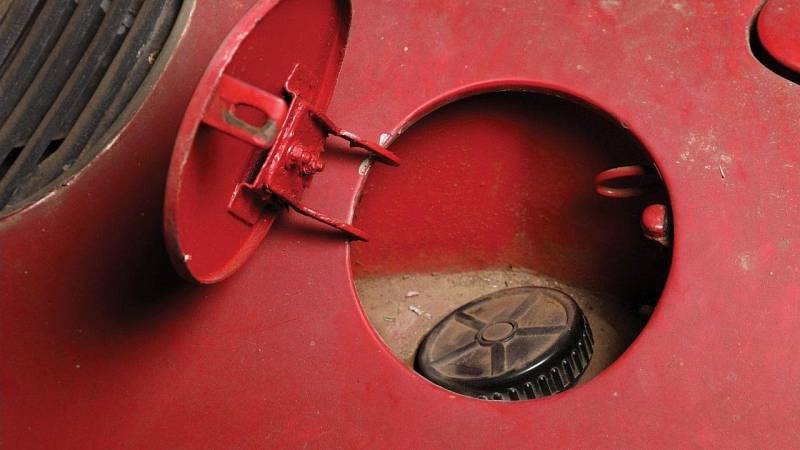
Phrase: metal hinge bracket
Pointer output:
(293, 138)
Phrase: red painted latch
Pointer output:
(250, 143)
(296, 151)
(231, 178)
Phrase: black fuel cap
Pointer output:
(514, 344)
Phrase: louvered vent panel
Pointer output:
(67, 70)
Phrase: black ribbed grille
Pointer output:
(67, 70)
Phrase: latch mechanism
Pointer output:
(293, 150)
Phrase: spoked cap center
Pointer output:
(497, 332)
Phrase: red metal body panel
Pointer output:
(778, 31)
(104, 346)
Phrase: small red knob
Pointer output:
(655, 223)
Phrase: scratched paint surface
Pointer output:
(103, 346)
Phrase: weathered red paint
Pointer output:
(779, 32)
(104, 347)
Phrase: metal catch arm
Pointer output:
(381, 154)
(354, 232)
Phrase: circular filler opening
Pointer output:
(511, 189)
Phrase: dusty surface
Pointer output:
(403, 308)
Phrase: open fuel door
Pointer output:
(253, 135)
